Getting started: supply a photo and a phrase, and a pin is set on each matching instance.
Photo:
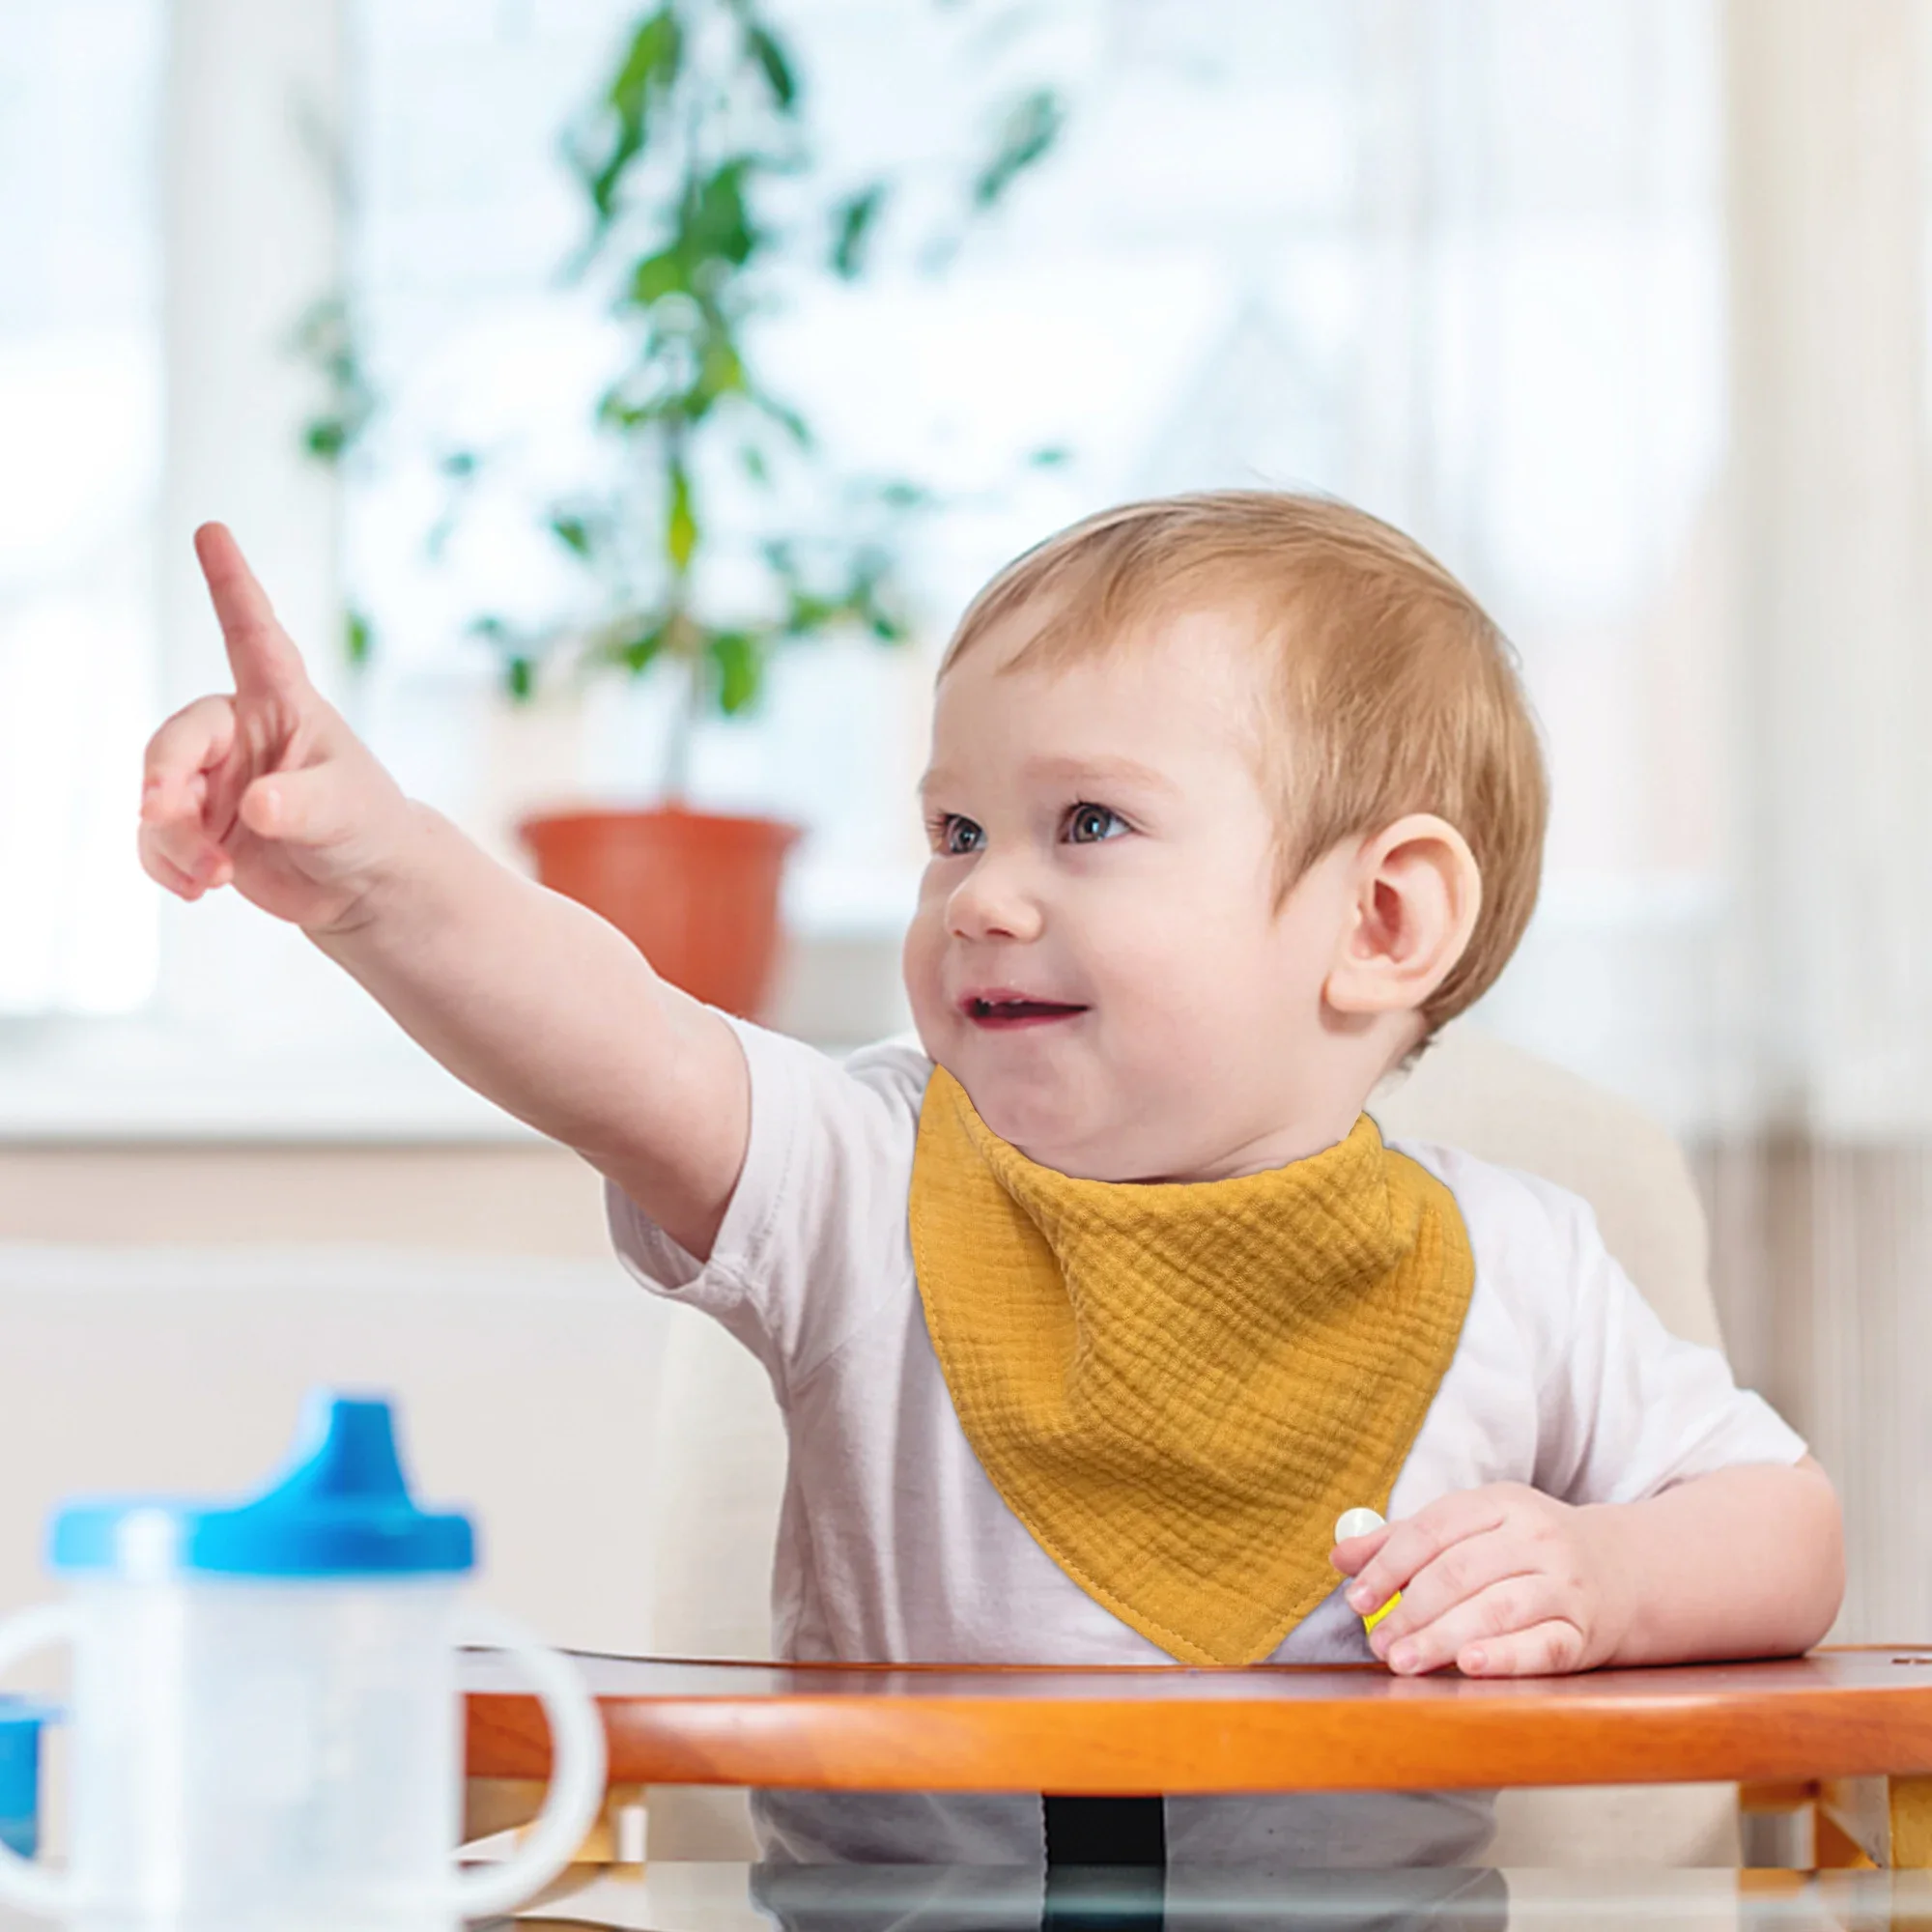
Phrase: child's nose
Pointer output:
(995, 900)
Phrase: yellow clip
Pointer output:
(1364, 1523)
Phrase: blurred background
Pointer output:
(616, 397)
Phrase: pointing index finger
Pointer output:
(261, 654)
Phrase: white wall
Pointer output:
(530, 1391)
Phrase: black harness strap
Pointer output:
(1106, 1863)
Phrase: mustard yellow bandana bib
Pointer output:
(1178, 1388)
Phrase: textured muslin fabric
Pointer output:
(1179, 1388)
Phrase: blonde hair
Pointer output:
(1392, 691)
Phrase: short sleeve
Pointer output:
(815, 1232)
(1626, 1408)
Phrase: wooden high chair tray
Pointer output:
(1837, 1712)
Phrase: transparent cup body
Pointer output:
(254, 1756)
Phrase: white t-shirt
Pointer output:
(894, 1547)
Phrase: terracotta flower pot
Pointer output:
(696, 892)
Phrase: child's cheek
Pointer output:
(920, 964)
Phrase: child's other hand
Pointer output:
(268, 790)
(1501, 1581)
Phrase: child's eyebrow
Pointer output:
(1101, 771)
(1070, 771)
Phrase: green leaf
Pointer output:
(326, 439)
(639, 646)
(852, 223)
(617, 413)
(326, 339)
(716, 222)
(720, 372)
(768, 51)
(785, 417)
(680, 522)
(650, 66)
(870, 600)
(603, 182)
(1027, 134)
(888, 624)
(740, 664)
(647, 73)
(751, 459)
(358, 638)
(574, 533)
(520, 669)
(665, 273)
(810, 613)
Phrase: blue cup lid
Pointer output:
(342, 1509)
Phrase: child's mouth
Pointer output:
(1002, 1014)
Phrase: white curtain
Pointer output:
(1820, 1182)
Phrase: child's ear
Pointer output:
(1416, 894)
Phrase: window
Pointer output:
(80, 409)
(1461, 263)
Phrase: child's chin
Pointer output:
(1035, 1115)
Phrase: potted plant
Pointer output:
(708, 542)
(721, 532)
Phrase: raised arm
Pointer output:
(529, 997)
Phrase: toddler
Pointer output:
(1090, 1312)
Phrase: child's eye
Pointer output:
(1090, 824)
(955, 835)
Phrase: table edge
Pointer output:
(837, 1741)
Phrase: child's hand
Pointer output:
(267, 790)
(1501, 1581)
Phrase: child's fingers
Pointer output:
(1463, 1570)
(1420, 1539)
(261, 654)
(177, 843)
(1349, 1556)
(183, 849)
(174, 791)
(309, 806)
(1515, 1603)
(165, 872)
(193, 741)
(1549, 1649)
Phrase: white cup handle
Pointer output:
(23, 1881)
(576, 1794)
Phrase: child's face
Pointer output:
(1097, 957)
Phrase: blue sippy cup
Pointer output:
(266, 1723)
